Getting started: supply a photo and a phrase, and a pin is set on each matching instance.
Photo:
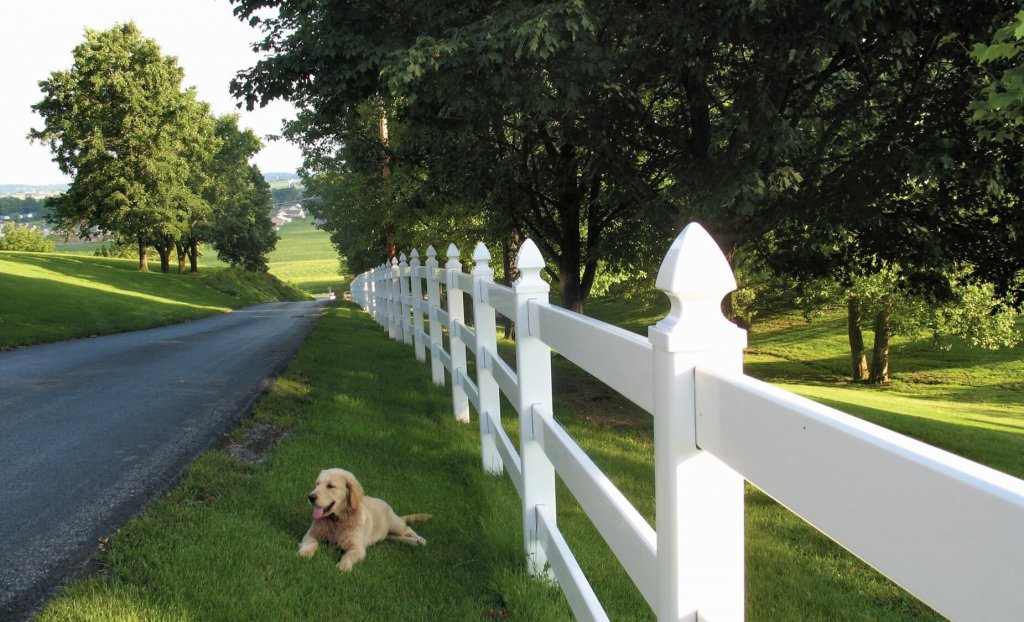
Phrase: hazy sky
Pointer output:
(210, 44)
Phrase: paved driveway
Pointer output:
(94, 429)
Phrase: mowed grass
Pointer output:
(222, 545)
(305, 258)
(49, 297)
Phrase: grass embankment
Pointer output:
(49, 297)
(305, 258)
(222, 545)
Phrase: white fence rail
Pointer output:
(948, 530)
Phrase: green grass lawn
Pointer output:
(222, 545)
(305, 259)
(49, 297)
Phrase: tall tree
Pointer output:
(120, 125)
(239, 226)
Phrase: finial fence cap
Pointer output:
(415, 254)
(695, 267)
(480, 253)
(453, 251)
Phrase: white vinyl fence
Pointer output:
(947, 529)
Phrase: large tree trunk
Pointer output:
(164, 249)
(193, 256)
(180, 247)
(143, 256)
(858, 357)
(880, 353)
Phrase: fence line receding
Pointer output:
(948, 530)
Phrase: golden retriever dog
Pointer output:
(344, 516)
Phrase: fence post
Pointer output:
(699, 500)
(456, 315)
(434, 300)
(416, 293)
(379, 311)
(394, 295)
(486, 346)
(404, 301)
(533, 369)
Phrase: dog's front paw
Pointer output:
(419, 541)
(307, 551)
(345, 565)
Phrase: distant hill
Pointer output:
(279, 176)
(28, 188)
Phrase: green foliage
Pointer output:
(14, 206)
(15, 238)
(1000, 106)
(119, 123)
(288, 194)
(241, 229)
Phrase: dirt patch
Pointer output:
(259, 438)
(594, 401)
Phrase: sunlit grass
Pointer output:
(50, 297)
(222, 545)
(305, 258)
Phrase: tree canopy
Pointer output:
(149, 162)
(831, 139)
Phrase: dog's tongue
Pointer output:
(318, 512)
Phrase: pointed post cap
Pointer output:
(394, 262)
(530, 262)
(695, 267)
(402, 260)
(415, 254)
(453, 258)
(695, 276)
(482, 257)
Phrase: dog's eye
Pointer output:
(330, 485)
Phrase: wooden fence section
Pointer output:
(948, 530)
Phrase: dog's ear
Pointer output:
(355, 493)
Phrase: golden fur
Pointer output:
(344, 516)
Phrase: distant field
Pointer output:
(305, 258)
(49, 296)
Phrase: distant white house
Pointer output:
(279, 220)
(285, 215)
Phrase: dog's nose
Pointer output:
(312, 497)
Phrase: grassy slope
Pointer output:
(305, 258)
(49, 297)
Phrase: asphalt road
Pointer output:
(93, 430)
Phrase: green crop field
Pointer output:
(305, 259)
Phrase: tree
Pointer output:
(600, 128)
(240, 227)
(119, 123)
(25, 238)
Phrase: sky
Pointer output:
(211, 45)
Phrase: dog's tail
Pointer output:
(416, 517)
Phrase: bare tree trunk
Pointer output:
(858, 357)
(163, 248)
(193, 256)
(180, 247)
(143, 258)
(880, 353)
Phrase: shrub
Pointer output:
(27, 238)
